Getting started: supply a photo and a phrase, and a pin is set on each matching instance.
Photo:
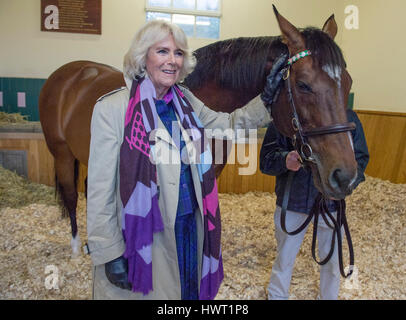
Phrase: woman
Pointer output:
(153, 221)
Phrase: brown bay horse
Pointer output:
(228, 75)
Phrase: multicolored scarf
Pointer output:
(139, 193)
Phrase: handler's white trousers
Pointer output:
(288, 247)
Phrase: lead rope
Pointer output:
(285, 206)
(320, 208)
(340, 221)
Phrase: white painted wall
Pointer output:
(28, 52)
(376, 54)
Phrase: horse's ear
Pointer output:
(330, 27)
(290, 34)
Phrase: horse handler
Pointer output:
(278, 158)
(153, 218)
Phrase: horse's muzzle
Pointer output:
(341, 183)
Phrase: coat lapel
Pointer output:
(163, 134)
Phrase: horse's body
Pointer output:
(66, 105)
(227, 76)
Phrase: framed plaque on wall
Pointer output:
(73, 16)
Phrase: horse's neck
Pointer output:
(224, 100)
(238, 76)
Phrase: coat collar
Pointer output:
(128, 83)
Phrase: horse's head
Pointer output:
(319, 86)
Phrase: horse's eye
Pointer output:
(304, 87)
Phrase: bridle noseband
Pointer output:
(299, 138)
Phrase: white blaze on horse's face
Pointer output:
(334, 72)
(350, 138)
(163, 63)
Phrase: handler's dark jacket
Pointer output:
(303, 192)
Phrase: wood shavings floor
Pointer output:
(35, 248)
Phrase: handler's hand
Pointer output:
(293, 161)
(117, 273)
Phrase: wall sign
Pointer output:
(73, 16)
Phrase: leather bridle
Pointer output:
(300, 136)
(320, 206)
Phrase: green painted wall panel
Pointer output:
(31, 88)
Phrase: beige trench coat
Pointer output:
(104, 206)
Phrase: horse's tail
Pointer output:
(59, 190)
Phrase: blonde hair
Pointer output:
(151, 33)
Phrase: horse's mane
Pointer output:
(324, 50)
(240, 63)
(233, 63)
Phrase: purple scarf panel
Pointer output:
(138, 188)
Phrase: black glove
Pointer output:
(273, 81)
(117, 273)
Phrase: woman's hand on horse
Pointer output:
(293, 161)
(273, 81)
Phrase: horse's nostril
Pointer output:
(339, 179)
(337, 176)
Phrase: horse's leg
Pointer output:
(66, 171)
(86, 187)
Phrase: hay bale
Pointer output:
(7, 118)
(16, 122)
(16, 191)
